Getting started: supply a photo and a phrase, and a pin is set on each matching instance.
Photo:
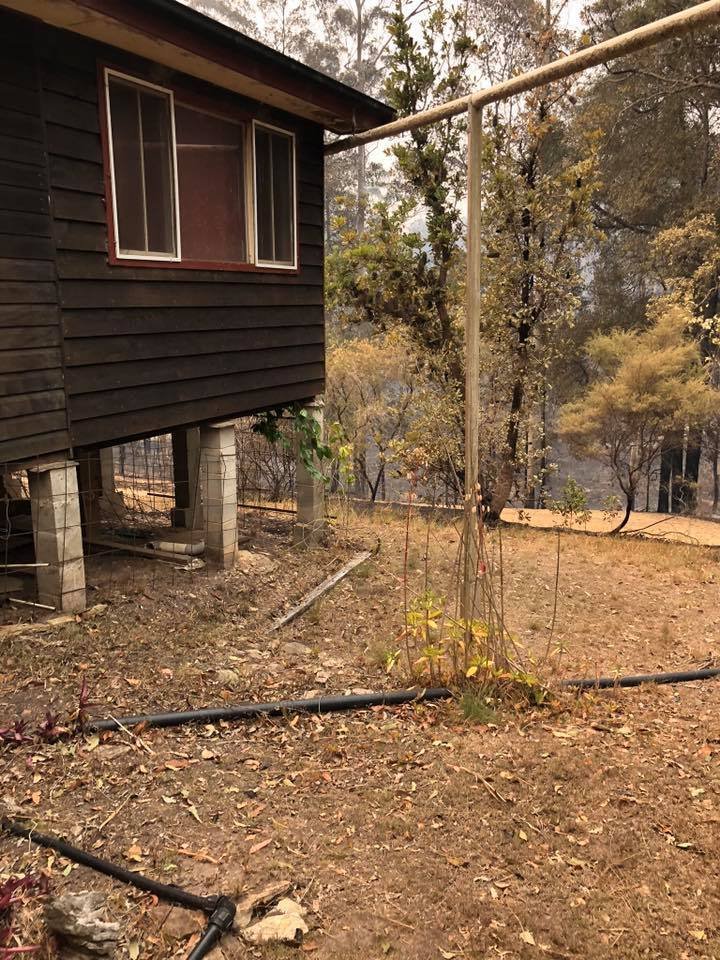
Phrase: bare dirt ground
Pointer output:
(584, 829)
(662, 526)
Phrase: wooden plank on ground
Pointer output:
(321, 589)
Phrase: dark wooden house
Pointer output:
(161, 224)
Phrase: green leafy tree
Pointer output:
(687, 259)
(659, 166)
(644, 385)
(373, 388)
(538, 191)
(400, 267)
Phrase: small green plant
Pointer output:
(306, 428)
(343, 456)
(442, 649)
(341, 469)
(572, 507)
(477, 708)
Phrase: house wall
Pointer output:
(149, 349)
(32, 401)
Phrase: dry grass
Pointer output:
(588, 827)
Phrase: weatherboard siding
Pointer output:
(33, 418)
(143, 349)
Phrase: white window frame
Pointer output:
(275, 264)
(141, 254)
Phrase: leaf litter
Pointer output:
(388, 826)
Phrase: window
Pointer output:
(211, 178)
(141, 134)
(180, 184)
(274, 196)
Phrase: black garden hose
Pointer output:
(277, 708)
(603, 683)
(361, 701)
(220, 909)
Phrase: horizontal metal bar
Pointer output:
(701, 15)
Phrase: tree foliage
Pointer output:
(645, 385)
(377, 387)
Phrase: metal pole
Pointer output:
(472, 362)
(701, 15)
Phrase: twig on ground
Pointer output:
(114, 813)
(321, 589)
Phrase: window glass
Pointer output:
(159, 187)
(211, 179)
(263, 195)
(179, 179)
(141, 131)
(275, 196)
(129, 189)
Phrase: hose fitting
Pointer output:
(220, 921)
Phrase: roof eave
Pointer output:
(179, 37)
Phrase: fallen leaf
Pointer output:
(134, 853)
(259, 846)
(177, 764)
(527, 937)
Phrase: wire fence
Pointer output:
(135, 516)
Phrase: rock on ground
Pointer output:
(283, 924)
(295, 649)
(77, 921)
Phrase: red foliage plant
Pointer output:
(12, 892)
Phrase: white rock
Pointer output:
(283, 924)
(228, 678)
(294, 649)
(76, 919)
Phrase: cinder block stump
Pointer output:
(218, 469)
(57, 533)
(309, 491)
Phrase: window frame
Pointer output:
(151, 255)
(277, 265)
(223, 111)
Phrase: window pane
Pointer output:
(283, 198)
(159, 187)
(125, 119)
(211, 177)
(275, 191)
(140, 127)
(264, 204)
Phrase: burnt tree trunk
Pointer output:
(669, 494)
(629, 507)
(691, 473)
(677, 484)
